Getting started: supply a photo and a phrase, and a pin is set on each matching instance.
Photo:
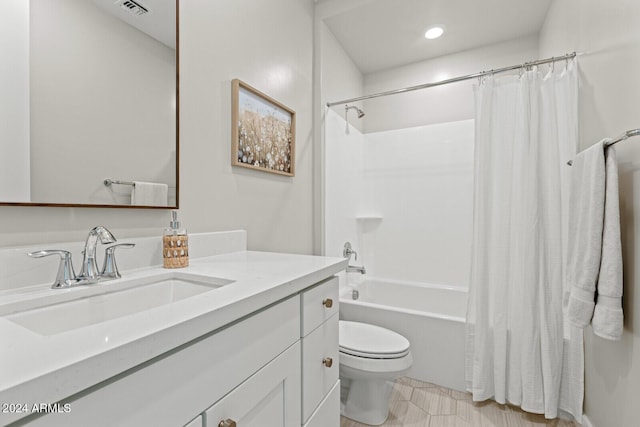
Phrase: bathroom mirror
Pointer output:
(91, 95)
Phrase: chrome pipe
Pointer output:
(457, 79)
(108, 182)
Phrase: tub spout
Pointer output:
(355, 269)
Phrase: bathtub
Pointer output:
(431, 317)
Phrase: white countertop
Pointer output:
(45, 369)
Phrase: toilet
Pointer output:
(371, 359)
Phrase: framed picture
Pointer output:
(263, 131)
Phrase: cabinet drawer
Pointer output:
(318, 348)
(328, 413)
(269, 398)
(318, 304)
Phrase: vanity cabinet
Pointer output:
(268, 369)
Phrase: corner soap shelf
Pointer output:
(369, 222)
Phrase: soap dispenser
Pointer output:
(175, 244)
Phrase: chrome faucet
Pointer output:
(89, 272)
(66, 277)
(347, 251)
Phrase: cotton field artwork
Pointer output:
(263, 131)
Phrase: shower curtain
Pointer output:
(519, 347)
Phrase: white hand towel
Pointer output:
(585, 232)
(149, 194)
(607, 319)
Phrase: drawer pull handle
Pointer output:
(327, 361)
(328, 303)
(227, 423)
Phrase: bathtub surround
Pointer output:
(517, 350)
(382, 187)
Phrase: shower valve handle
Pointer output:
(347, 251)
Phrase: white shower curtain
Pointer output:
(520, 349)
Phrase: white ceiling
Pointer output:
(381, 34)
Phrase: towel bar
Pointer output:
(628, 134)
(109, 181)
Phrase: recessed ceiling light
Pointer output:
(434, 32)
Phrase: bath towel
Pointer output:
(607, 316)
(149, 194)
(594, 256)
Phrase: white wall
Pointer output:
(267, 44)
(447, 103)
(14, 108)
(338, 157)
(341, 79)
(102, 105)
(606, 37)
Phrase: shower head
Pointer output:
(348, 107)
(346, 110)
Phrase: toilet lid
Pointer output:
(365, 340)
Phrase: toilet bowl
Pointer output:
(371, 359)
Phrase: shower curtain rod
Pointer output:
(456, 79)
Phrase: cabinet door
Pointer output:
(269, 398)
(328, 413)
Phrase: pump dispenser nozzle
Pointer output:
(174, 224)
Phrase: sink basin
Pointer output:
(116, 300)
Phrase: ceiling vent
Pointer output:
(134, 7)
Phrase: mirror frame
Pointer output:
(177, 204)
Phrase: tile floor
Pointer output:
(419, 404)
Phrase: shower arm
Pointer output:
(346, 112)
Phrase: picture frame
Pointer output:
(263, 131)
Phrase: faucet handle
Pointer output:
(65, 276)
(347, 251)
(110, 268)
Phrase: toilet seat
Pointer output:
(371, 341)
